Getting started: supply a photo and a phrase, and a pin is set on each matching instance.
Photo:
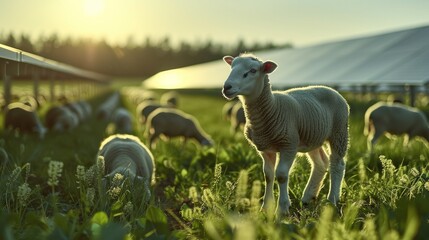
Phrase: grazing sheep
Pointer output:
(60, 118)
(122, 121)
(170, 99)
(22, 117)
(396, 119)
(86, 109)
(288, 122)
(144, 109)
(77, 109)
(30, 101)
(238, 117)
(107, 107)
(174, 123)
(127, 155)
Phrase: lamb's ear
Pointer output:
(269, 67)
(228, 59)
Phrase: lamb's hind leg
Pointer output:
(319, 165)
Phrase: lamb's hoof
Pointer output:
(337, 207)
(281, 214)
(307, 203)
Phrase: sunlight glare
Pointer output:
(170, 79)
(93, 7)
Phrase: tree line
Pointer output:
(131, 59)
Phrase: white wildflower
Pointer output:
(90, 195)
(80, 173)
(54, 172)
(23, 194)
(193, 195)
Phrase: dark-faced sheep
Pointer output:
(175, 123)
(145, 108)
(170, 99)
(288, 122)
(395, 119)
(22, 117)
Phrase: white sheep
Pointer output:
(86, 108)
(288, 122)
(122, 121)
(22, 117)
(174, 123)
(60, 118)
(395, 119)
(127, 155)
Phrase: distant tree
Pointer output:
(11, 41)
(25, 44)
(132, 59)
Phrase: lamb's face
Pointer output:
(246, 77)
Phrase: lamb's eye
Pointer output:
(252, 70)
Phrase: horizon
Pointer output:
(224, 22)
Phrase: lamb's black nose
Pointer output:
(226, 87)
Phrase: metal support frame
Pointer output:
(7, 91)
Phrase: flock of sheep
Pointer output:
(278, 124)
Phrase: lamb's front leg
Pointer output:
(282, 175)
(269, 162)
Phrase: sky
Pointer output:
(299, 22)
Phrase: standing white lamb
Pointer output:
(396, 119)
(174, 123)
(127, 155)
(288, 122)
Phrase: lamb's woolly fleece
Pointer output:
(126, 154)
(309, 114)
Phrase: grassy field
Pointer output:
(215, 192)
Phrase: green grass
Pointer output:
(207, 193)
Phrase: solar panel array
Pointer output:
(394, 58)
(17, 56)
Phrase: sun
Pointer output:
(93, 7)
